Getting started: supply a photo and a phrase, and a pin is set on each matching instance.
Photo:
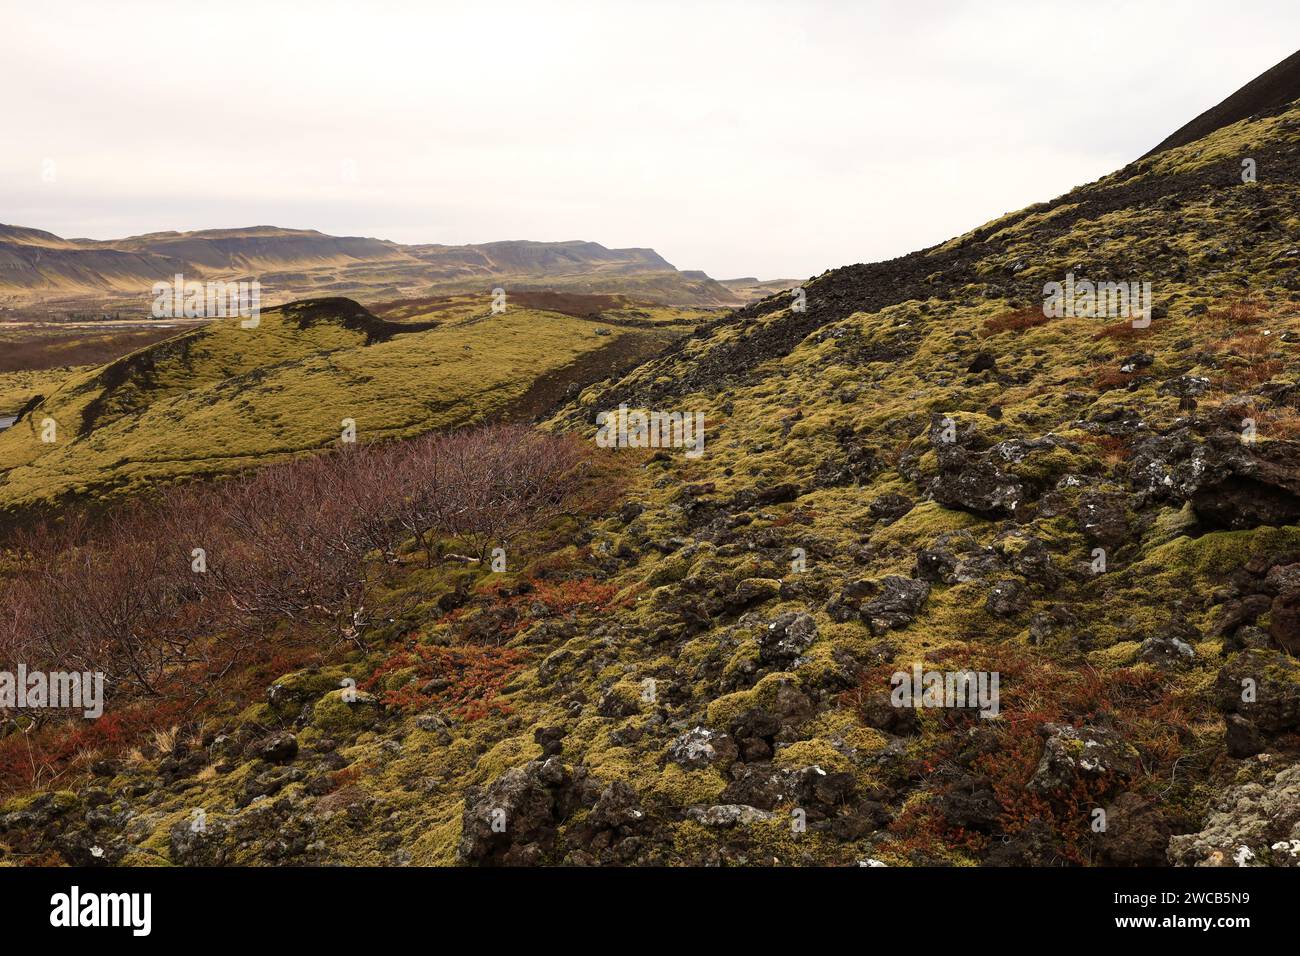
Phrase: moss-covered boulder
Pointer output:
(346, 713)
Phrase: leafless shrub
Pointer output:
(189, 583)
(100, 599)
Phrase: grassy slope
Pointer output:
(1047, 383)
(223, 397)
(19, 387)
(880, 374)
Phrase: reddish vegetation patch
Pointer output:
(1119, 330)
(1274, 423)
(1106, 377)
(1014, 321)
(797, 516)
(39, 757)
(1135, 702)
(1241, 313)
(557, 597)
(1250, 360)
(564, 596)
(1112, 448)
(467, 679)
(293, 556)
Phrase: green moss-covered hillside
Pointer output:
(224, 397)
(918, 469)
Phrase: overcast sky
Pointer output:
(770, 139)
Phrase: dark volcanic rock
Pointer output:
(1076, 752)
(811, 788)
(1247, 485)
(513, 821)
(1284, 611)
(973, 482)
(702, 747)
(1232, 484)
(785, 638)
(1165, 649)
(1007, 598)
(1262, 688)
(277, 748)
(897, 605)
(889, 508)
(1103, 518)
(1137, 833)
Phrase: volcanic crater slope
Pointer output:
(920, 471)
(225, 397)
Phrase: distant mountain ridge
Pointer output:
(297, 262)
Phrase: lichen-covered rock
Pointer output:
(1255, 824)
(30, 822)
(279, 747)
(621, 700)
(939, 562)
(289, 694)
(936, 564)
(727, 815)
(1166, 650)
(617, 808)
(268, 783)
(702, 747)
(975, 483)
(1103, 518)
(889, 508)
(1248, 484)
(1230, 483)
(1071, 753)
(1240, 612)
(812, 789)
(754, 591)
(200, 841)
(1162, 467)
(1006, 598)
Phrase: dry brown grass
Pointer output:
(1250, 360)
(1106, 377)
(1239, 314)
(1276, 424)
(1119, 330)
(164, 741)
(1015, 321)
(1112, 449)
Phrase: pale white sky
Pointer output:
(742, 138)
